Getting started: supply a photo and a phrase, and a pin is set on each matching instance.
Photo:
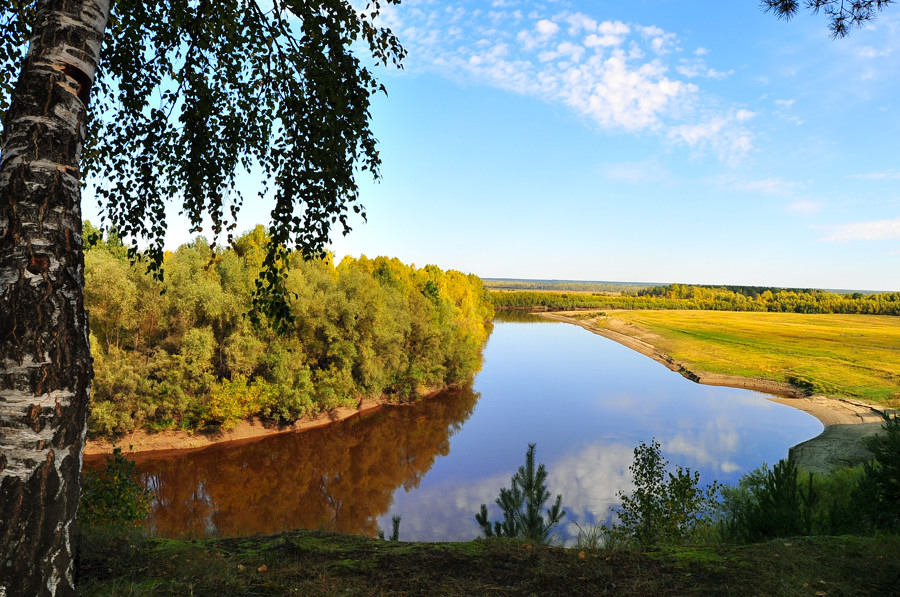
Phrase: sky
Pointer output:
(646, 141)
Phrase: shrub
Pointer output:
(878, 494)
(113, 497)
(233, 400)
(665, 508)
(775, 503)
(521, 505)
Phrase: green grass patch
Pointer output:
(852, 356)
(316, 563)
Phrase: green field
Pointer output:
(854, 356)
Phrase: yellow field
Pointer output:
(839, 355)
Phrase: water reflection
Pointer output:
(585, 400)
(515, 316)
(339, 477)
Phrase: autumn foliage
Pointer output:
(184, 354)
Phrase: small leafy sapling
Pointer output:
(664, 507)
(113, 496)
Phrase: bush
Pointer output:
(113, 497)
(662, 510)
(782, 502)
(521, 505)
(774, 503)
(879, 492)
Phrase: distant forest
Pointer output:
(715, 298)
(183, 354)
(565, 285)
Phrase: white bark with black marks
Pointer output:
(45, 364)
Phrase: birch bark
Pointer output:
(45, 363)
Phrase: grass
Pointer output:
(852, 356)
(316, 563)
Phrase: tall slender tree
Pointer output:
(188, 93)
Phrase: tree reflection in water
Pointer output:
(339, 478)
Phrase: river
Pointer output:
(586, 402)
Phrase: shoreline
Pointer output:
(142, 442)
(846, 422)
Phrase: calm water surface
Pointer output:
(585, 400)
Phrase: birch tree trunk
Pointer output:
(45, 363)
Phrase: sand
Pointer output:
(168, 441)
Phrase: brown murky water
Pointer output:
(339, 478)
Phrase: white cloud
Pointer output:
(876, 230)
(697, 67)
(770, 186)
(593, 40)
(784, 103)
(546, 28)
(617, 75)
(579, 23)
(660, 41)
(723, 133)
(613, 28)
(870, 52)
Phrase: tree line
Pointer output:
(183, 354)
(713, 298)
(566, 285)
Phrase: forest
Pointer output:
(712, 298)
(183, 353)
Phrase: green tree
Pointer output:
(664, 507)
(522, 505)
(880, 486)
(191, 93)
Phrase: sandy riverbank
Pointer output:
(164, 441)
(847, 422)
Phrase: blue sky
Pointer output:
(646, 140)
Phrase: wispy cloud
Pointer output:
(783, 109)
(770, 186)
(636, 172)
(870, 52)
(696, 67)
(804, 207)
(721, 132)
(875, 230)
(883, 175)
(621, 76)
